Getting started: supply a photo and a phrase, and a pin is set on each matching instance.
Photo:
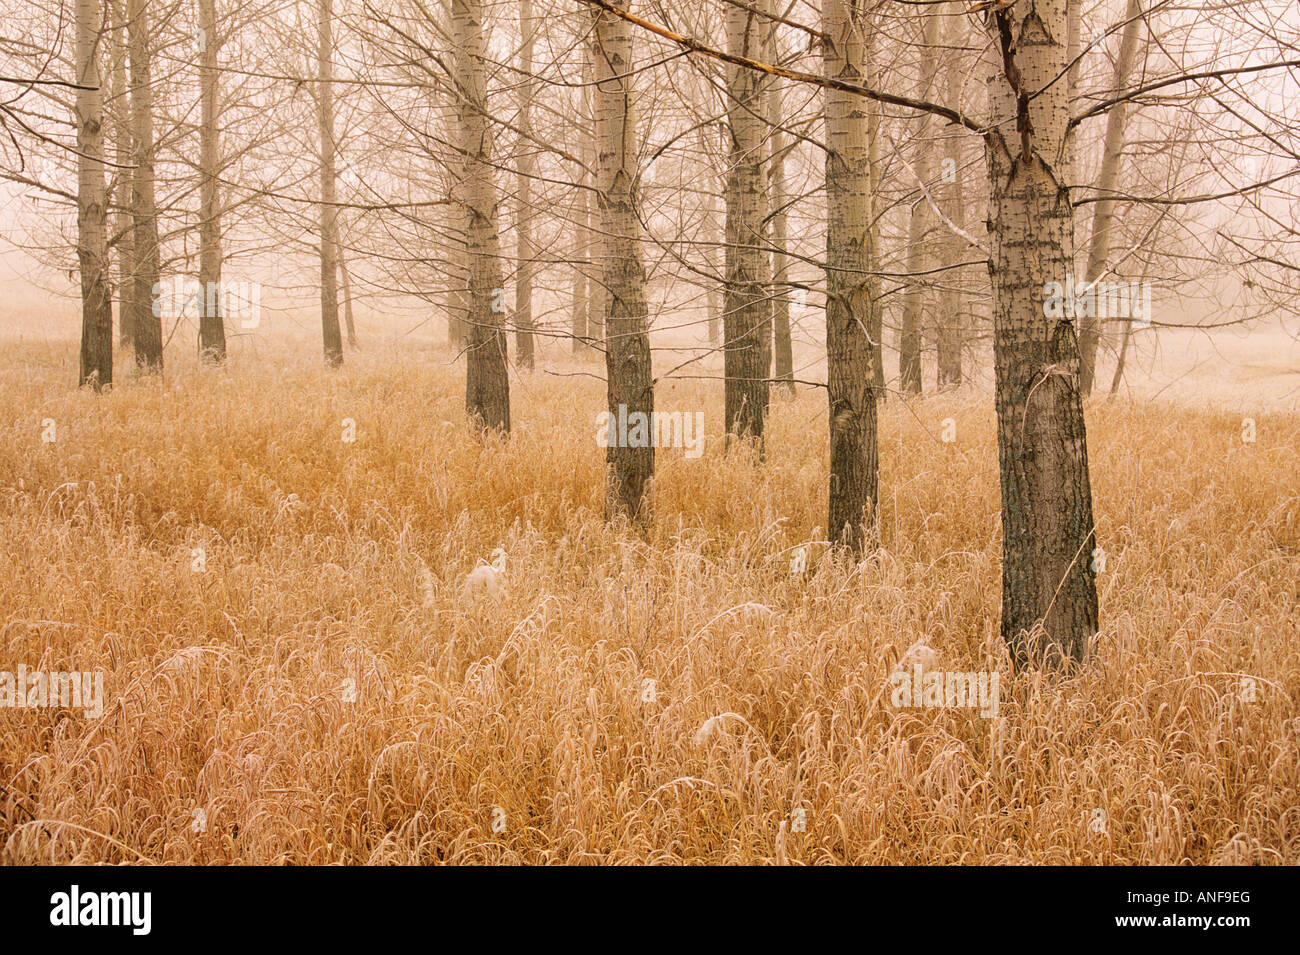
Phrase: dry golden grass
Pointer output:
(333, 567)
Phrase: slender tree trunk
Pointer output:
(580, 326)
(1104, 213)
(329, 256)
(146, 323)
(1127, 337)
(346, 277)
(124, 193)
(876, 166)
(524, 252)
(714, 237)
(597, 288)
(212, 330)
(1047, 523)
(851, 391)
(746, 322)
(910, 341)
(92, 241)
(950, 323)
(454, 226)
(629, 385)
(781, 346)
(487, 385)
(457, 258)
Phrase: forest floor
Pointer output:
(292, 672)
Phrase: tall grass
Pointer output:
(323, 690)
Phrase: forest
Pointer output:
(650, 431)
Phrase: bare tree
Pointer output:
(146, 321)
(524, 166)
(851, 389)
(1106, 186)
(487, 386)
(747, 316)
(1048, 580)
(629, 386)
(92, 248)
(329, 256)
(782, 350)
(914, 297)
(212, 331)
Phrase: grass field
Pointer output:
(292, 673)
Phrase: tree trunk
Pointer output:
(524, 252)
(329, 257)
(782, 349)
(851, 391)
(346, 278)
(950, 322)
(597, 289)
(124, 192)
(212, 330)
(92, 241)
(909, 345)
(487, 385)
(146, 321)
(876, 167)
(746, 321)
(1104, 213)
(580, 324)
(713, 237)
(629, 386)
(1047, 523)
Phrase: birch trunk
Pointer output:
(212, 331)
(331, 337)
(782, 350)
(909, 346)
(851, 391)
(146, 320)
(747, 317)
(524, 251)
(629, 386)
(92, 240)
(950, 323)
(876, 165)
(1047, 522)
(579, 325)
(124, 193)
(487, 386)
(346, 278)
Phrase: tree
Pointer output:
(850, 386)
(146, 321)
(212, 331)
(782, 351)
(124, 179)
(1048, 580)
(746, 324)
(909, 345)
(524, 251)
(949, 324)
(629, 386)
(92, 248)
(329, 256)
(1107, 183)
(487, 386)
